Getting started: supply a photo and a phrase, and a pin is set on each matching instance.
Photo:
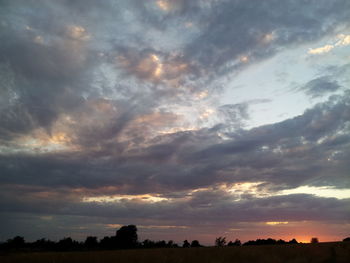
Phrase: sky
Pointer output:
(190, 119)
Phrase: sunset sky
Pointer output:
(190, 119)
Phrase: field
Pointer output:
(300, 253)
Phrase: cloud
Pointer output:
(236, 31)
(320, 50)
(48, 76)
(156, 68)
(279, 154)
(236, 115)
(342, 40)
(121, 101)
(210, 205)
(320, 86)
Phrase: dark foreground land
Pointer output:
(299, 253)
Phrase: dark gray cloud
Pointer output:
(320, 86)
(258, 30)
(49, 71)
(305, 149)
(214, 205)
(53, 53)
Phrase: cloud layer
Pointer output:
(111, 112)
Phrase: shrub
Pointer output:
(314, 240)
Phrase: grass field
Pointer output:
(300, 253)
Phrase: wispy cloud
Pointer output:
(342, 40)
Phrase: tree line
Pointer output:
(125, 238)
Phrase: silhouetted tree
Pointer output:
(161, 244)
(293, 241)
(91, 242)
(15, 243)
(127, 236)
(236, 243)
(346, 239)
(148, 243)
(171, 243)
(158, 244)
(249, 243)
(65, 244)
(280, 242)
(186, 244)
(195, 243)
(220, 241)
(314, 240)
(44, 244)
(268, 241)
(107, 242)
